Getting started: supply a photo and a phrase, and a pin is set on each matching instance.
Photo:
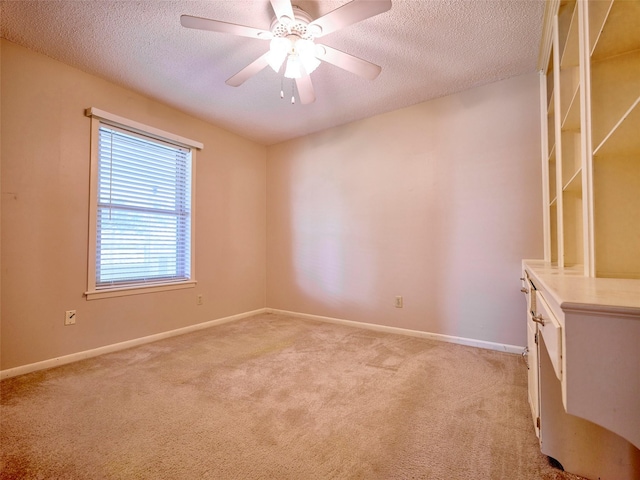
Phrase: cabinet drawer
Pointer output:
(551, 331)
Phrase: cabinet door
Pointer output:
(582, 447)
(534, 401)
(532, 352)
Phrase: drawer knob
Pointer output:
(524, 357)
(538, 319)
(524, 290)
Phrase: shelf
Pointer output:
(624, 138)
(620, 32)
(571, 158)
(615, 85)
(551, 134)
(616, 187)
(569, 88)
(598, 11)
(572, 225)
(615, 99)
(571, 53)
(574, 185)
(554, 202)
(549, 75)
(571, 121)
(565, 15)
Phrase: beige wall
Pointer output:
(45, 193)
(438, 203)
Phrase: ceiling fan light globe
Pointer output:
(306, 51)
(279, 47)
(309, 63)
(293, 69)
(304, 46)
(275, 61)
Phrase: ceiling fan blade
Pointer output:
(348, 14)
(305, 90)
(223, 27)
(248, 71)
(283, 8)
(348, 62)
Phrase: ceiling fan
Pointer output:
(292, 34)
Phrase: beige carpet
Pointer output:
(275, 397)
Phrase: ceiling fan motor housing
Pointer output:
(299, 26)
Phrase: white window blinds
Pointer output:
(143, 224)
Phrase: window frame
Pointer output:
(99, 117)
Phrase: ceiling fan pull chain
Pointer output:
(293, 98)
(282, 87)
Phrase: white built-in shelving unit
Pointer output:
(591, 116)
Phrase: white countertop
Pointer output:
(573, 291)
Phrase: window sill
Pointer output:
(137, 290)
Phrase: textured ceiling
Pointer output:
(427, 49)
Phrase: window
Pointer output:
(141, 208)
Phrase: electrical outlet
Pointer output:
(70, 317)
(398, 303)
(199, 299)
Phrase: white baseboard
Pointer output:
(74, 357)
(500, 347)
